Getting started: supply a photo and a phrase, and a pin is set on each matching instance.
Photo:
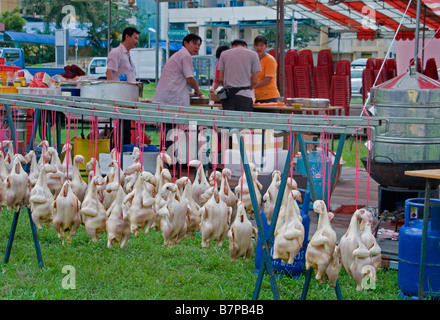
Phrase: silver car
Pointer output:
(356, 80)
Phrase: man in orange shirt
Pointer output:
(266, 89)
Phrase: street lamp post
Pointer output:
(150, 30)
(109, 25)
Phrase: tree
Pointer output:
(12, 20)
(304, 35)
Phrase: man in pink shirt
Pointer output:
(119, 62)
(178, 75)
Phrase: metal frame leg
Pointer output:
(35, 238)
(266, 254)
(266, 240)
(16, 214)
(11, 237)
(307, 285)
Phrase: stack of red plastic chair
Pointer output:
(322, 82)
(303, 75)
(368, 78)
(322, 74)
(431, 69)
(290, 60)
(325, 58)
(390, 68)
(340, 90)
(272, 52)
(382, 77)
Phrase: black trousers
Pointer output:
(126, 131)
(238, 103)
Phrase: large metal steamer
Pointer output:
(398, 147)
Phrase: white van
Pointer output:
(97, 68)
(144, 60)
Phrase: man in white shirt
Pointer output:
(178, 75)
(238, 69)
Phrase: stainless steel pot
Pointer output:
(405, 146)
(308, 102)
(112, 90)
(410, 95)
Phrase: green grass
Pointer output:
(146, 269)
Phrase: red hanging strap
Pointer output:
(67, 127)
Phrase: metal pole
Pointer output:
(281, 62)
(339, 45)
(423, 36)
(292, 37)
(109, 25)
(157, 41)
(416, 38)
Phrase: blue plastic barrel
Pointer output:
(298, 265)
(410, 244)
(76, 92)
(316, 168)
(149, 148)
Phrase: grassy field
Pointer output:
(146, 269)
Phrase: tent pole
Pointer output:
(423, 36)
(416, 38)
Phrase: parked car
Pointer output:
(359, 63)
(356, 80)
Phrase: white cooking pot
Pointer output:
(112, 90)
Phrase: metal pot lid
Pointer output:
(410, 88)
(410, 80)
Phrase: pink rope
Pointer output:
(117, 144)
(188, 149)
(173, 158)
(76, 133)
(181, 137)
(368, 163)
(67, 125)
(358, 148)
(292, 136)
(214, 152)
(53, 127)
(200, 145)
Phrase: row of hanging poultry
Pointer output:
(124, 202)
(134, 201)
(358, 250)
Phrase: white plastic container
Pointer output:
(39, 91)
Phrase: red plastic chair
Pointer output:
(431, 69)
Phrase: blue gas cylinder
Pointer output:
(298, 265)
(410, 244)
